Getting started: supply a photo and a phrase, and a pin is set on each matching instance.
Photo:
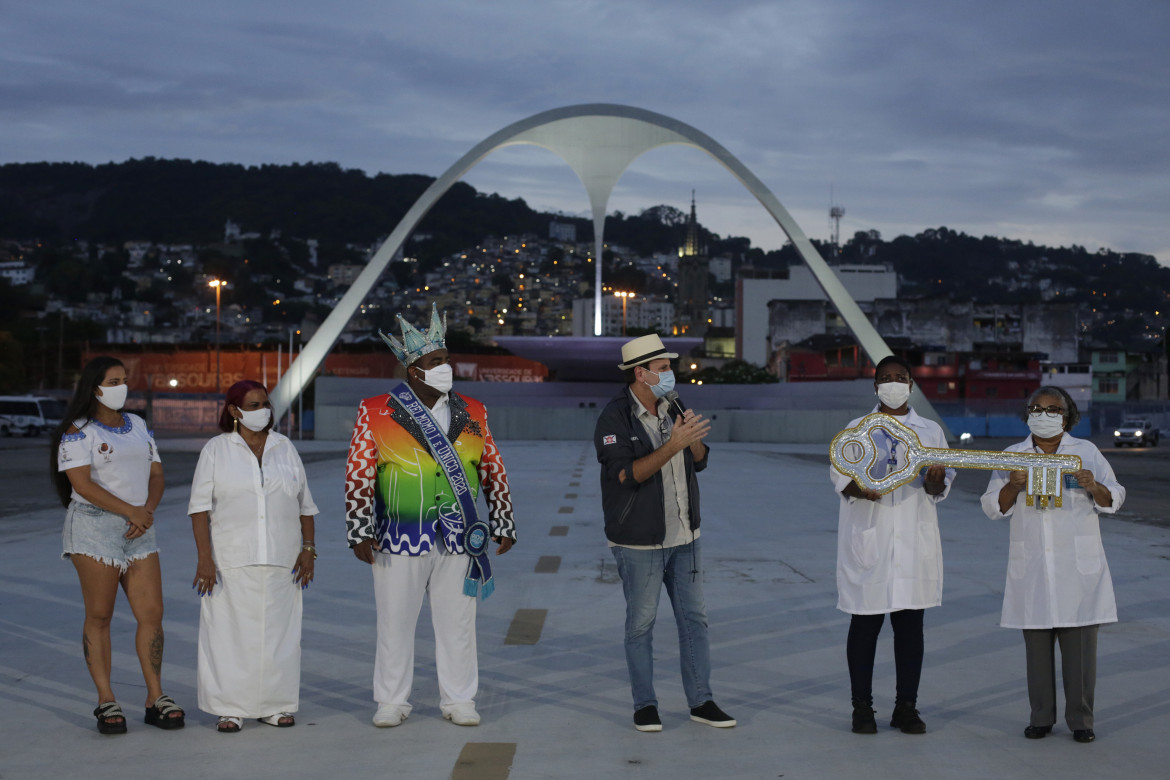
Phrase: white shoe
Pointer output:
(390, 715)
(463, 714)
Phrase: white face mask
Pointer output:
(255, 419)
(113, 397)
(440, 378)
(893, 394)
(1045, 426)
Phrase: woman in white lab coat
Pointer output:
(1058, 584)
(889, 558)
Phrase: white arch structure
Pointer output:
(599, 141)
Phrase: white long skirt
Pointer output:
(250, 643)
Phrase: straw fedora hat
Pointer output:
(642, 350)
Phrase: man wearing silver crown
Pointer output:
(417, 460)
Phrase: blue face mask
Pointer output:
(665, 383)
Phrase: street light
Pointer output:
(625, 296)
(218, 285)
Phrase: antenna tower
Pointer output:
(835, 214)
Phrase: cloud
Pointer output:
(1042, 118)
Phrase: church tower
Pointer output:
(691, 303)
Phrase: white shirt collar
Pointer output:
(640, 409)
(910, 419)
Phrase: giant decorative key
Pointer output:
(855, 453)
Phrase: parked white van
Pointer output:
(34, 414)
(9, 428)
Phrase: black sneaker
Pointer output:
(708, 712)
(906, 718)
(863, 719)
(646, 719)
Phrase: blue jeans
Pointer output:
(643, 573)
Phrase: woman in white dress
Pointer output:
(252, 516)
(1058, 585)
(108, 474)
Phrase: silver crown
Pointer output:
(414, 342)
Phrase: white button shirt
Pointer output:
(1057, 573)
(441, 412)
(255, 513)
(889, 554)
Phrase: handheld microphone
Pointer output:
(672, 398)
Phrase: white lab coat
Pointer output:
(1057, 574)
(889, 556)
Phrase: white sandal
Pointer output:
(232, 724)
(274, 720)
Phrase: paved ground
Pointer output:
(560, 707)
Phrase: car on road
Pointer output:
(9, 427)
(1136, 433)
(34, 415)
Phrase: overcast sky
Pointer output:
(1030, 119)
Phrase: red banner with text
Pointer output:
(195, 372)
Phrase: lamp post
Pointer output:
(218, 285)
(625, 296)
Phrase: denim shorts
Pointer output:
(92, 531)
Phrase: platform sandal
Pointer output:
(110, 719)
(162, 714)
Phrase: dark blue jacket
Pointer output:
(634, 512)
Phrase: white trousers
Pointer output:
(249, 660)
(400, 582)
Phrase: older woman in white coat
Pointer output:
(889, 558)
(1058, 584)
(252, 515)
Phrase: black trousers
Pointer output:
(861, 647)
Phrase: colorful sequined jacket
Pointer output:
(394, 488)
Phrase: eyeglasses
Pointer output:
(664, 428)
(1051, 411)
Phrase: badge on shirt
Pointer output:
(609, 439)
(106, 450)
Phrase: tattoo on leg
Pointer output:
(156, 651)
(85, 646)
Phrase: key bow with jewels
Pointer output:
(855, 453)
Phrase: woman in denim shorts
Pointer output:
(107, 473)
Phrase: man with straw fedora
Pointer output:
(650, 446)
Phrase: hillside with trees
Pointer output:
(58, 207)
